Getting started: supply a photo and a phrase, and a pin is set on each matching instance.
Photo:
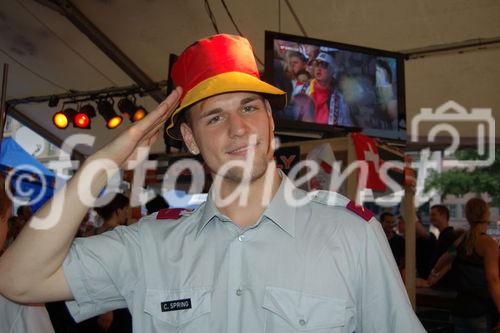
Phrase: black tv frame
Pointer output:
(334, 130)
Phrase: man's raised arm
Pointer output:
(31, 269)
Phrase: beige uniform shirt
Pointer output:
(315, 268)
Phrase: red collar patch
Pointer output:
(361, 211)
(169, 214)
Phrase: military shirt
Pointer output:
(319, 267)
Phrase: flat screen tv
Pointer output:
(335, 87)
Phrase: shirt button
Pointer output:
(239, 292)
(302, 322)
(241, 238)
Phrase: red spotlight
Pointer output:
(82, 120)
(83, 116)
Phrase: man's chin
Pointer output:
(238, 176)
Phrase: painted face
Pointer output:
(221, 130)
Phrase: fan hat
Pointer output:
(217, 65)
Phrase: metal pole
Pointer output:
(468, 45)
(296, 18)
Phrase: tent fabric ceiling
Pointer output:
(61, 58)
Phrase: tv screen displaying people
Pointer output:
(334, 85)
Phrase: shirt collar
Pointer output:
(279, 211)
(208, 213)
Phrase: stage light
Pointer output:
(82, 118)
(139, 113)
(60, 120)
(105, 108)
(130, 110)
(127, 107)
(114, 122)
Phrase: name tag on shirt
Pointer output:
(180, 304)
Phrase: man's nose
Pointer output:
(237, 125)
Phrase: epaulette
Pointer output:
(338, 200)
(361, 211)
(173, 213)
(330, 198)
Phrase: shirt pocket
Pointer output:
(293, 311)
(193, 304)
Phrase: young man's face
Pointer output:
(436, 217)
(221, 127)
(295, 64)
(388, 223)
(322, 71)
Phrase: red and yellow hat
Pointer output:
(216, 65)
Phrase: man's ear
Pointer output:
(188, 137)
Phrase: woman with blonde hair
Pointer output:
(474, 258)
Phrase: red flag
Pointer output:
(366, 150)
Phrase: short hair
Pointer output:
(156, 204)
(184, 117)
(119, 201)
(443, 210)
(384, 215)
(296, 54)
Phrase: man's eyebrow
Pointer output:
(250, 99)
(219, 110)
(210, 112)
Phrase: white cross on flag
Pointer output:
(366, 150)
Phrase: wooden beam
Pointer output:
(410, 216)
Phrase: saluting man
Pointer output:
(279, 261)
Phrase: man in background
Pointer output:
(440, 218)
(296, 64)
(396, 242)
(329, 102)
